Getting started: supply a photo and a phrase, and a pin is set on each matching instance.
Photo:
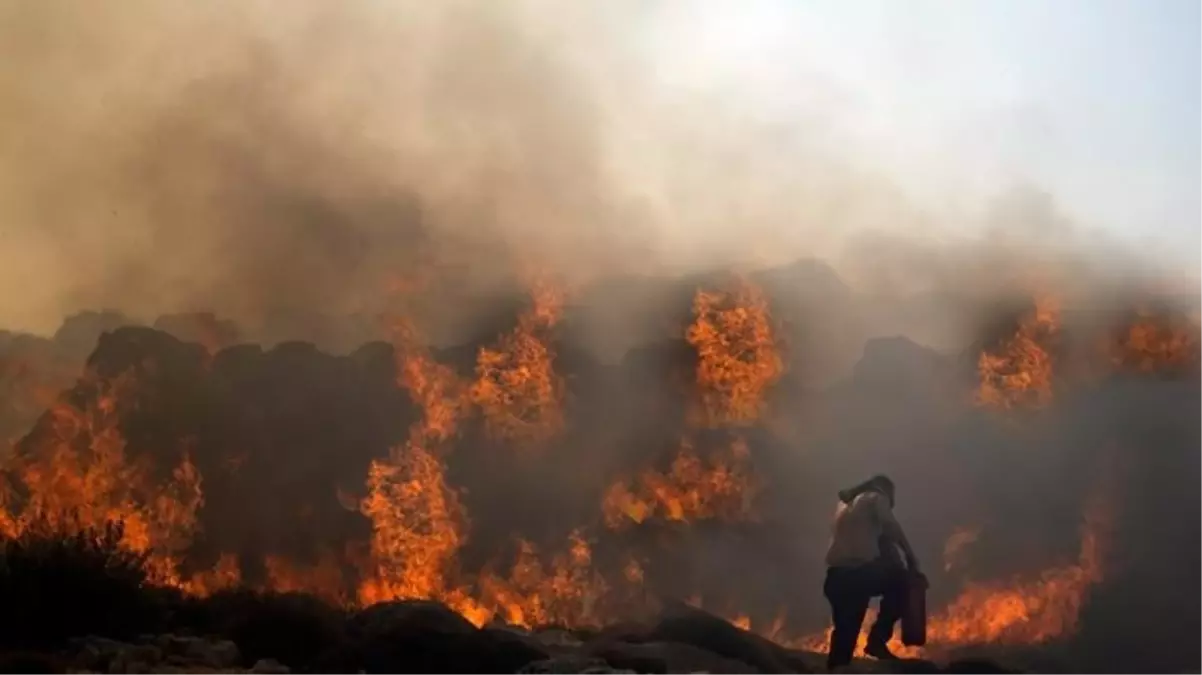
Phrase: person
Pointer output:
(862, 563)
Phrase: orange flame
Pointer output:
(1024, 611)
(417, 521)
(1019, 373)
(225, 575)
(80, 478)
(516, 386)
(418, 526)
(691, 490)
(322, 578)
(565, 593)
(737, 363)
(1156, 344)
(737, 357)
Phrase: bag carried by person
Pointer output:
(914, 616)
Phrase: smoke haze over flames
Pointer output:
(483, 303)
(342, 143)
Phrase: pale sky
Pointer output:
(1095, 101)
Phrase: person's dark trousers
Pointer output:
(849, 591)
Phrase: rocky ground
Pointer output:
(411, 637)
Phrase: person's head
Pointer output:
(883, 484)
(878, 483)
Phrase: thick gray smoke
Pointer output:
(267, 161)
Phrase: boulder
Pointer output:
(291, 628)
(190, 650)
(406, 616)
(428, 637)
(155, 654)
(557, 639)
(667, 657)
(575, 663)
(269, 667)
(683, 624)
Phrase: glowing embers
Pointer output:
(225, 574)
(323, 577)
(737, 356)
(1018, 372)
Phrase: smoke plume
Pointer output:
(268, 162)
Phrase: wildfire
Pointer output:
(225, 574)
(323, 578)
(418, 526)
(691, 490)
(80, 478)
(516, 386)
(737, 357)
(1019, 372)
(1023, 611)
(1152, 344)
(737, 363)
(567, 592)
(418, 523)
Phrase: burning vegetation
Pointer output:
(1156, 342)
(719, 487)
(1020, 371)
(517, 389)
(737, 355)
(92, 461)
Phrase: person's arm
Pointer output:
(893, 530)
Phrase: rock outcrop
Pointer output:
(166, 653)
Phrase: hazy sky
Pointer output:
(1095, 101)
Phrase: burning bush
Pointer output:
(55, 586)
